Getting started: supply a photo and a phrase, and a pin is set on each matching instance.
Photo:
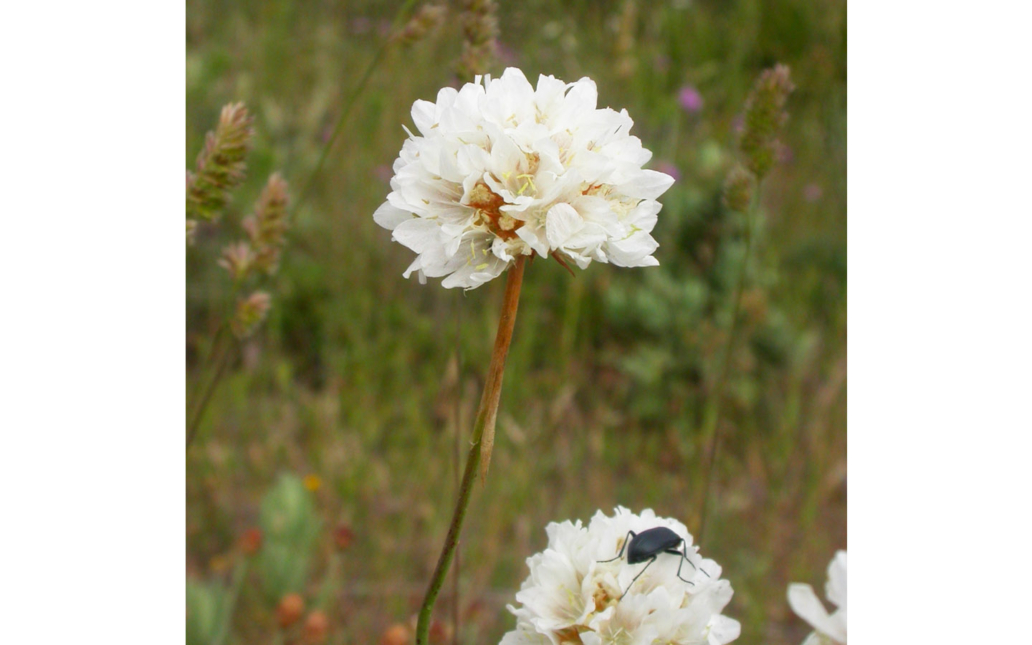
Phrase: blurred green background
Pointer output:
(361, 381)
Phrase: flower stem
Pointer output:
(718, 395)
(483, 429)
(457, 467)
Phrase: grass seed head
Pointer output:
(427, 19)
(764, 116)
(250, 313)
(267, 227)
(738, 189)
(221, 163)
(238, 259)
(479, 21)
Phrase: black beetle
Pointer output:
(647, 545)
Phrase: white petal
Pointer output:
(724, 630)
(535, 238)
(524, 636)
(561, 222)
(804, 602)
(649, 184)
(388, 216)
(635, 251)
(423, 115)
(418, 234)
(836, 587)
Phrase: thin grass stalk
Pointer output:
(714, 430)
(484, 425)
(399, 19)
(221, 363)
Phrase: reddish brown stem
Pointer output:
(481, 444)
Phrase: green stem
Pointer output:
(352, 101)
(221, 363)
(713, 431)
(330, 583)
(239, 573)
(456, 466)
(482, 428)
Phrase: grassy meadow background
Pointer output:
(361, 381)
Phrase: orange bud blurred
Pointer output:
(396, 634)
(342, 536)
(316, 628)
(440, 633)
(251, 541)
(290, 610)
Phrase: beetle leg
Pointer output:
(627, 540)
(651, 560)
(684, 558)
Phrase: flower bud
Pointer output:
(396, 634)
(342, 536)
(312, 482)
(290, 610)
(251, 541)
(440, 633)
(316, 628)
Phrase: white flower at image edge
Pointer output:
(502, 169)
(572, 596)
(829, 629)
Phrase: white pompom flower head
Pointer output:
(577, 593)
(502, 169)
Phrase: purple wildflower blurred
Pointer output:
(361, 25)
(506, 55)
(384, 173)
(785, 154)
(690, 99)
(812, 192)
(670, 169)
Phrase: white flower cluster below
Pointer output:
(502, 169)
(572, 596)
(829, 629)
